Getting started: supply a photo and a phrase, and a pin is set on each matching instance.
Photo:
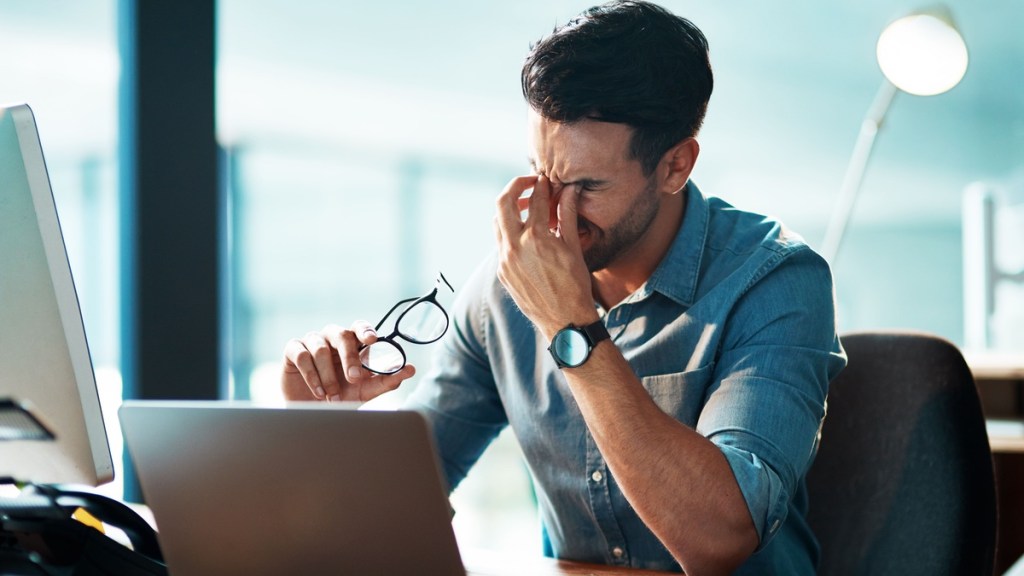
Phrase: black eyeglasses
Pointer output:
(423, 321)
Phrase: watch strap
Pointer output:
(595, 332)
(592, 334)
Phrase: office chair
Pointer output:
(903, 480)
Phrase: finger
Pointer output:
(539, 204)
(349, 346)
(508, 218)
(300, 359)
(568, 215)
(364, 332)
(497, 230)
(324, 362)
(523, 204)
(556, 195)
(386, 383)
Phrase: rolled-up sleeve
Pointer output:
(458, 395)
(765, 407)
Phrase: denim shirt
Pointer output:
(733, 335)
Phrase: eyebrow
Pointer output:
(584, 182)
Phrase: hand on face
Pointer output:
(540, 259)
(325, 365)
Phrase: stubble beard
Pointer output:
(611, 244)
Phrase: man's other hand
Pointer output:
(325, 366)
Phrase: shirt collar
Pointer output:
(677, 273)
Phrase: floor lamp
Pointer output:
(921, 54)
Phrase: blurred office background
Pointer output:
(363, 144)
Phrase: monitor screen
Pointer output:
(44, 356)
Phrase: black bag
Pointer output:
(39, 536)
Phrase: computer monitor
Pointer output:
(44, 356)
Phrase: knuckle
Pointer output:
(330, 383)
(349, 341)
(292, 347)
(303, 356)
(322, 353)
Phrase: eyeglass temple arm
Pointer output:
(438, 283)
(393, 308)
(441, 279)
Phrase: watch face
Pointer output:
(570, 346)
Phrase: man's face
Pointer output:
(617, 203)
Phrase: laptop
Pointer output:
(310, 488)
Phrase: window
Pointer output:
(366, 145)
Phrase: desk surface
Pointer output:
(990, 365)
(989, 368)
(483, 562)
(488, 563)
(1005, 435)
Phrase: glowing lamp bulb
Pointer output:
(922, 54)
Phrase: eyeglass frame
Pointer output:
(391, 338)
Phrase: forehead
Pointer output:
(578, 149)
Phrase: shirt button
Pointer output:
(597, 476)
(617, 552)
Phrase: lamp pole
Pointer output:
(855, 170)
(921, 54)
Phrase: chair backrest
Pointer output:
(903, 481)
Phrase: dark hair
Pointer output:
(629, 62)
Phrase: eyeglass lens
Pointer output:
(382, 357)
(424, 322)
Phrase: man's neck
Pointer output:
(628, 273)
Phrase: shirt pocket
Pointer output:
(680, 394)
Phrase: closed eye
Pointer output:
(589, 186)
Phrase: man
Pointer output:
(672, 420)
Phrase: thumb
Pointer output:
(567, 216)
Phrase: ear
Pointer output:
(676, 164)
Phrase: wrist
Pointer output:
(553, 327)
(571, 346)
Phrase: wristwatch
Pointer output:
(571, 346)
